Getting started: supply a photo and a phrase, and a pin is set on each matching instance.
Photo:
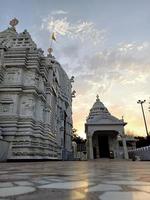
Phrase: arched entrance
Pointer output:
(104, 142)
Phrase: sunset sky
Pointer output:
(105, 44)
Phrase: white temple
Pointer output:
(35, 99)
(103, 132)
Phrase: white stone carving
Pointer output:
(12, 76)
(28, 106)
(29, 78)
(35, 86)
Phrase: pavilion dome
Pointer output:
(99, 114)
(98, 106)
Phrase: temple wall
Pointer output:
(32, 99)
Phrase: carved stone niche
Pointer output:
(29, 78)
(12, 76)
(6, 105)
(28, 106)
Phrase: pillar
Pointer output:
(126, 156)
(90, 146)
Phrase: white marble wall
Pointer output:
(29, 91)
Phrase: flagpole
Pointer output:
(51, 42)
(51, 37)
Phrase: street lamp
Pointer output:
(141, 102)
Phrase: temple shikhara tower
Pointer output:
(104, 133)
(35, 99)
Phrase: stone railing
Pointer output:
(142, 153)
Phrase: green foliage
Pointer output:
(143, 141)
(76, 138)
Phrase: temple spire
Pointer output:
(97, 98)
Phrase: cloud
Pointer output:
(81, 30)
(120, 76)
(118, 73)
(128, 63)
(59, 12)
(125, 64)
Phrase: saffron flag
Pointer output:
(53, 36)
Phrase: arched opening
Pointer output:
(104, 143)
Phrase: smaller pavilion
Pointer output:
(102, 131)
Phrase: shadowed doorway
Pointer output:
(103, 146)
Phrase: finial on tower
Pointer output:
(97, 97)
(72, 79)
(73, 94)
(14, 22)
(50, 50)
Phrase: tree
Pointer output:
(76, 138)
(142, 141)
(81, 143)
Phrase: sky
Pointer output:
(105, 44)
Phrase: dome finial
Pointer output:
(97, 97)
(50, 50)
(14, 22)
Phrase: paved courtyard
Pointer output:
(90, 180)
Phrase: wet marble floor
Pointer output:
(72, 180)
